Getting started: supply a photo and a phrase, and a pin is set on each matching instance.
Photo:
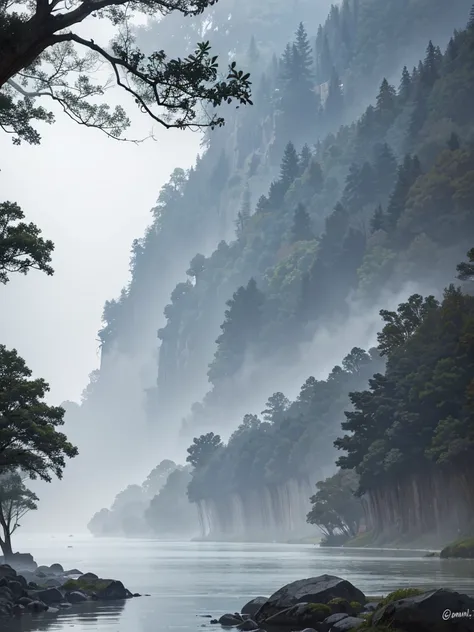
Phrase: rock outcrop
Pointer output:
(47, 587)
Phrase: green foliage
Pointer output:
(29, 439)
(295, 438)
(335, 509)
(397, 595)
(62, 66)
(418, 415)
(462, 548)
(21, 246)
(203, 449)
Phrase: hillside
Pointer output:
(302, 228)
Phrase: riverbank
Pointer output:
(331, 604)
(26, 588)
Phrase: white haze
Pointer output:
(92, 197)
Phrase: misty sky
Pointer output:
(92, 196)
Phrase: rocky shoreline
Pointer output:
(26, 587)
(332, 604)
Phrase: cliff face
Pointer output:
(270, 513)
(434, 503)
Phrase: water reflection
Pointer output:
(103, 616)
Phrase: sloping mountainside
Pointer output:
(308, 212)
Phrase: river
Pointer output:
(187, 580)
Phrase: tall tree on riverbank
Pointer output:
(16, 500)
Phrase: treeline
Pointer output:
(397, 220)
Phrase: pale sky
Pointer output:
(92, 196)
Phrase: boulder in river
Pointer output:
(316, 590)
(435, 611)
(252, 606)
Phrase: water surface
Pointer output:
(187, 580)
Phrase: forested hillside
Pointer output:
(347, 183)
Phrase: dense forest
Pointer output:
(346, 189)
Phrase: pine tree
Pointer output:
(304, 159)
(407, 174)
(470, 24)
(289, 165)
(405, 88)
(301, 229)
(243, 215)
(378, 219)
(430, 68)
(386, 99)
(325, 61)
(314, 176)
(452, 50)
(385, 169)
(262, 204)
(304, 50)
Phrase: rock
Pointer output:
(57, 569)
(230, 620)
(76, 597)
(20, 561)
(3, 582)
(73, 571)
(43, 571)
(214, 621)
(49, 596)
(37, 606)
(17, 589)
(114, 590)
(301, 615)
(248, 626)
(309, 630)
(53, 582)
(347, 624)
(252, 606)
(64, 605)
(22, 581)
(6, 593)
(433, 611)
(24, 601)
(17, 610)
(53, 610)
(312, 590)
(87, 576)
(33, 585)
(371, 606)
(206, 615)
(7, 571)
(6, 608)
(330, 621)
(340, 606)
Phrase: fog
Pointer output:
(92, 196)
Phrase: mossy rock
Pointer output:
(356, 607)
(320, 608)
(87, 585)
(462, 548)
(396, 595)
(339, 605)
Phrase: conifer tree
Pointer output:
(253, 54)
(325, 61)
(470, 24)
(378, 219)
(334, 105)
(289, 167)
(407, 174)
(301, 229)
(405, 87)
(453, 142)
(314, 176)
(304, 50)
(243, 215)
(305, 158)
(385, 170)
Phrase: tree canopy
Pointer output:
(29, 435)
(43, 57)
(21, 246)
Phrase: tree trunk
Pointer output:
(6, 546)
